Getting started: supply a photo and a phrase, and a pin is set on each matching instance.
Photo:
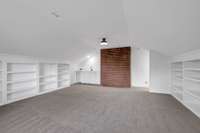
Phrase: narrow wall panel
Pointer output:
(115, 67)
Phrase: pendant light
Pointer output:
(104, 42)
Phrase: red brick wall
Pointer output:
(115, 67)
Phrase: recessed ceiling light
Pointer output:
(88, 56)
(104, 42)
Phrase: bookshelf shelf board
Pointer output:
(46, 76)
(20, 81)
(20, 90)
(13, 72)
(191, 79)
(49, 82)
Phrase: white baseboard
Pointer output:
(159, 91)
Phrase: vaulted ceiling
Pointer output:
(69, 29)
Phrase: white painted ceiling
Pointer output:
(27, 27)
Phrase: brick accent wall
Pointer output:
(115, 67)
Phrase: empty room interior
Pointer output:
(99, 66)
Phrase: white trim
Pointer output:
(13, 72)
(159, 91)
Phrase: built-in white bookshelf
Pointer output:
(63, 75)
(21, 80)
(47, 77)
(190, 86)
(1, 83)
(177, 80)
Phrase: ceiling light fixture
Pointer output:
(55, 14)
(104, 42)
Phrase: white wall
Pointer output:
(139, 66)
(191, 55)
(73, 68)
(91, 61)
(20, 58)
(159, 73)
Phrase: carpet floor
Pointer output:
(92, 109)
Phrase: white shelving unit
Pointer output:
(21, 80)
(63, 75)
(177, 80)
(1, 83)
(190, 85)
(47, 77)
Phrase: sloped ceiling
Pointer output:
(168, 26)
(27, 27)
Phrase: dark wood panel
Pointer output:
(115, 67)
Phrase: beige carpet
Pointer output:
(90, 109)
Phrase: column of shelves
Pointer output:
(47, 77)
(177, 80)
(21, 81)
(191, 95)
(63, 75)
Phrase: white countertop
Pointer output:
(85, 71)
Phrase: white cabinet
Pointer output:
(87, 77)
